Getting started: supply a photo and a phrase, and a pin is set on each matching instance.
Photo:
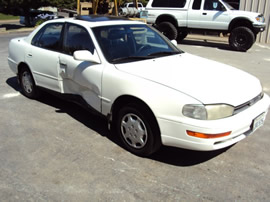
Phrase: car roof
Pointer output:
(97, 20)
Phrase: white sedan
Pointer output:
(152, 93)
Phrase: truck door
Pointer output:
(212, 14)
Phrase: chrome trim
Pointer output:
(248, 104)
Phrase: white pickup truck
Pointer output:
(176, 18)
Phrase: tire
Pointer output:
(168, 29)
(181, 35)
(137, 130)
(241, 38)
(27, 83)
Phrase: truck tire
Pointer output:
(181, 35)
(241, 38)
(168, 29)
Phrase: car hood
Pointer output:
(208, 81)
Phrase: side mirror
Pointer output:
(174, 42)
(85, 55)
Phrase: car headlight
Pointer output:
(208, 112)
(260, 18)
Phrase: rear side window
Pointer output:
(197, 4)
(49, 37)
(169, 3)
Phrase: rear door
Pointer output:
(43, 56)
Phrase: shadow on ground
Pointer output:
(206, 43)
(98, 123)
(12, 26)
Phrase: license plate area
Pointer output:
(258, 122)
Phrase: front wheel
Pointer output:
(137, 130)
(241, 38)
(27, 83)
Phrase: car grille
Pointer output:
(248, 104)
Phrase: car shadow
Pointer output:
(183, 157)
(206, 43)
(168, 155)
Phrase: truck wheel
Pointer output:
(168, 29)
(137, 130)
(181, 35)
(241, 38)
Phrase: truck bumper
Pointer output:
(259, 28)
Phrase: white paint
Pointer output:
(10, 95)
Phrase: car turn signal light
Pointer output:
(207, 136)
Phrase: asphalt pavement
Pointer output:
(53, 150)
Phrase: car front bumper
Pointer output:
(241, 125)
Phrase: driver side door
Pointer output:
(208, 14)
(80, 77)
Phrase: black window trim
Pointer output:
(64, 35)
(41, 32)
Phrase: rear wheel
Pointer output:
(168, 29)
(27, 83)
(137, 130)
(181, 35)
(241, 38)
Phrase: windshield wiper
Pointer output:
(130, 58)
(164, 53)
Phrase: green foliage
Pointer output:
(8, 17)
(9, 5)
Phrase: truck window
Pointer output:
(169, 3)
(196, 5)
(213, 5)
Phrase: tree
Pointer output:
(22, 7)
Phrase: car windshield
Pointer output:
(126, 43)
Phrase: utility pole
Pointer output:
(78, 7)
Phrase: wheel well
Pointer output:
(167, 18)
(21, 65)
(240, 22)
(127, 99)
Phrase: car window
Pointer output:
(77, 38)
(169, 3)
(126, 41)
(49, 37)
(214, 5)
(196, 4)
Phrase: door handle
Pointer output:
(204, 13)
(63, 63)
